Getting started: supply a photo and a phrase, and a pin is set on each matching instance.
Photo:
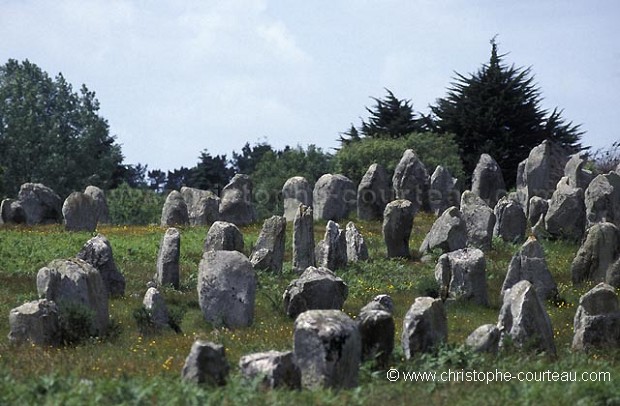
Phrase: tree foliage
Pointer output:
(211, 172)
(131, 205)
(51, 134)
(497, 111)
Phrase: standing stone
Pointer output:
(331, 252)
(510, 221)
(334, 197)
(327, 348)
(356, 246)
(523, 319)
(36, 322)
(537, 209)
(101, 203)
(269, 249)
(174, 213)
(443, 192)
(597, 321)
(380, 302)
(303, 239)
(76, 281)
(488, 181)
(376, 326)
(539, 174)
(566, 216)
(598, 252)
(578, 177)
(602, 199)
(236, 204)
(12, 212)
(316, 288)
(479, 220)
(448, 233)
(206, 364)
(529, 264)
(203, 206)
(397, 224)
(373, 193)
(296, 191)
(411, 181)
(425, 326)
(168, 259)
(462, 274)
(226, 289)
(223, 236)
(484, 339)
(156, 307)
(98, 252)
(79, 212)
(41, 204)
(275, 369)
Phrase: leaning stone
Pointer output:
(168, 256)
(566, 216)
(101, 203)
(373, 193)
(76, 281)
(206, 364)
(397, 224)
(510, 221)
(448, 233)
(331, 252)
(275, 369)
(226, 289)
(356, 246)
(334, 197)
(316, 288)
(174, 213)
(41, 204)
(537, 209)
(296, 191)
(327, 348)
(488, 180)
(443, 192)
(597, 321)
(462, 274)
(425, 326)
(203, 206)
(484, 339)
(98, 252)
(35, 322)
(530, 264)
(156, 307)
(303, 239)
(602, 199)
(598, 252)
(411, 181)
(268, 251)
(578, 177)
(479, 220)
(377, 332)
(223, 236)
(236, 203)
(523, 320)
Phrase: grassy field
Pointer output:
(127, 368)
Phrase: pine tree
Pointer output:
(497, 111)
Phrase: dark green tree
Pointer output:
(51, 134)
(157, 180)
(497, 111)
(211, 172)
(178, 178)
(246, 161)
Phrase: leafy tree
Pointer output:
(178, 178)
(133, 175)
(129, 205)
(497, 111)
(157, 180)
(211, 173)
(246, 161)
(353, 160)
(51, 134)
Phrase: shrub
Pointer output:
(134, 205)
(75, 320)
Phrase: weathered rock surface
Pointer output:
(12, 212)
(510, 221)
(411, 181)
(203, 206)
(602, 199)
(268, 251)
(223, 236)
(578, 176)
(168, 258)
(373, 193)
(462, 274)
(174, 212)
(98, 252)
(597, 254)
(100, 202)
(377, 329)
(327, 348)
(484, 339)
(425, 326)
(334, 197)
(331, 251)
(36, 322)
(537, 209)
(488, 180)
(155, 305)
(566, 216)
(276, 369)
(206, 364)
(397, 224)
(296, 191)
(448, 233)
(443, 192)
(41, 204)
(303, 239)
(316, 288)
(226, 289)
(79, 212)
(597, 321)
(479, 220)
(236, 201)
(356, 246)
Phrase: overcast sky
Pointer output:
(176, 77)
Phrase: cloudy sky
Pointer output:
(177, 77)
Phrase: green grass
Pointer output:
(127, 368)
